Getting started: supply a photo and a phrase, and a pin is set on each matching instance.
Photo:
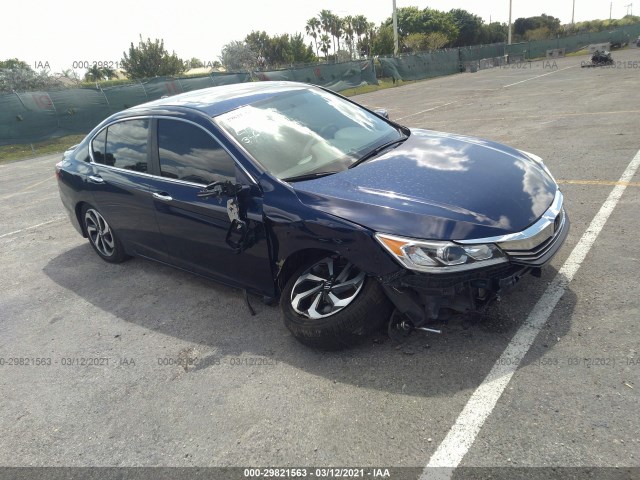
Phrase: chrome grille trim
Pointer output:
(531, 236)
(536, 244)
(537, 255)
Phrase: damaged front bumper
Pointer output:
(420, 297)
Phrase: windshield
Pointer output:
(307, 131)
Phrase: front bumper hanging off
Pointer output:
(421, 297)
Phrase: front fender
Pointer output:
(294, 227)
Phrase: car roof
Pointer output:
(214, 101)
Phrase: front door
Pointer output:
(196, 229)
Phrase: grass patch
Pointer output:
(584, 51)
(9, 153)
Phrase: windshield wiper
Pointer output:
(307, 176)
(377, 150)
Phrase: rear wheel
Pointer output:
(102, 237)
(331, 304)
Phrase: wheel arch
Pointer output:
(297, 259)
(78, 211)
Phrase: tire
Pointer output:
(342, 306)
(101, 236)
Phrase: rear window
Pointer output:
(123, 145)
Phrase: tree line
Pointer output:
(327, 37)
(336, 39)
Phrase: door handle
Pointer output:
(163, 197)
(96, 179)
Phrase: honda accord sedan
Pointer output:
(297, 194)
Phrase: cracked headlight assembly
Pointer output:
(440, 257)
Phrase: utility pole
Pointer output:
(573, 13)
(509, 37)
(610, 9)
(395, 30)
(630, 6)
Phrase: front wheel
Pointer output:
(332, 304)
(102, 237)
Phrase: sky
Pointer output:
(68, 33)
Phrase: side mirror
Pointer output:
(222, 189)
(239, 234)
(382, 112)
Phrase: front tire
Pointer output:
(331, 304)
(102, 237)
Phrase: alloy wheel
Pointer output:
(326, 287)
(99, 233)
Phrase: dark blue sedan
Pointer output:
(292, 192)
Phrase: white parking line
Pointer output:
(427, 110)
(31, 227)
(543, 75)
(27, 188)
(463, 433)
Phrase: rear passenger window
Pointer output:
(82, 152)
(125, 145)
(188, 153)
(97, 146)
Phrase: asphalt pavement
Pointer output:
(139, 364)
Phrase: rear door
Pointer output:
(196, 229)
(120, 184)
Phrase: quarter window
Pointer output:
(188, 153)
(97, 147)
(125, 145)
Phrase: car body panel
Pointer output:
(124, 200)
(433, 186)
(438, 186)
(195, 232)
(295, 227)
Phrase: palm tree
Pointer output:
(108, 73)
(325, 44)
(348, 33)
(313, 28)
(94, 74)
(336, 30)
(369, 36)
(70, 74)
(360, 24)
(326, 19)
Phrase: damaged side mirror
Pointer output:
(222, 189)
(238, 235)
(382, 112)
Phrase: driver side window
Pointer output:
(188, 153)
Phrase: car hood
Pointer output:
(437, 186)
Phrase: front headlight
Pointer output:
(440, 257)
(539, 161)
